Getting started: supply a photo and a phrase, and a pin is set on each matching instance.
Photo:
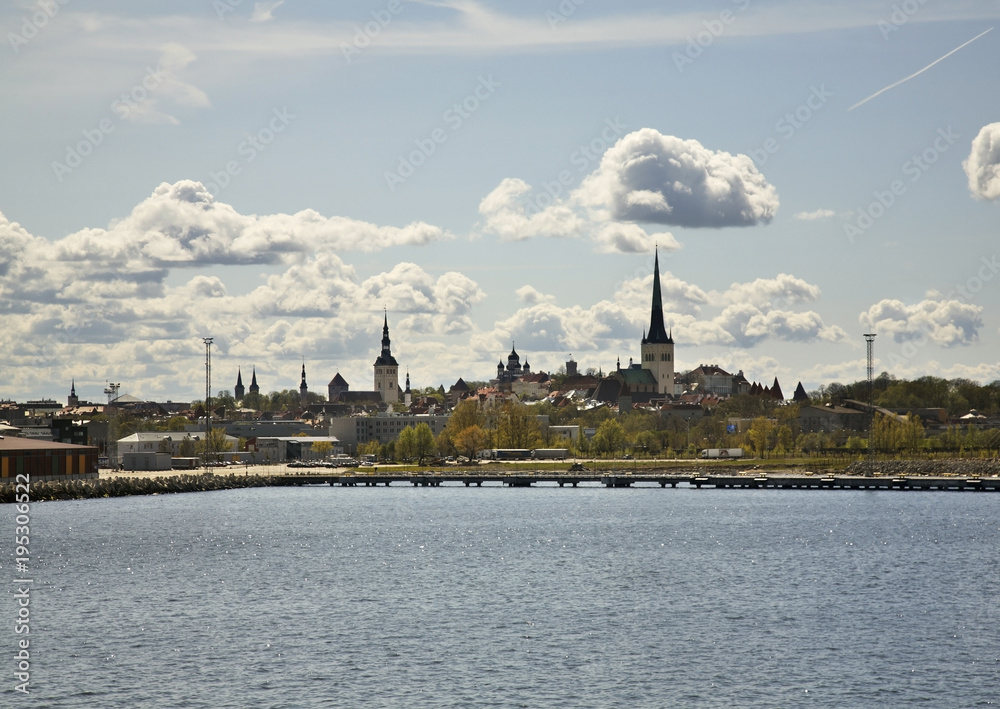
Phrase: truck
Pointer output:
(550, 453)
(505, 453)
(722, 453)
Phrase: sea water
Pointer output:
(509, 597)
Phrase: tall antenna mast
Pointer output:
(208, 396)
(870, 340)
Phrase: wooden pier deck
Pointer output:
(626, 479)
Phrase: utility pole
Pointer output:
(208, 397)
(870, 340)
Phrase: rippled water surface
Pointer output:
(496, 597)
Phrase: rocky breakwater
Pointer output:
(121, 486)
(964, 467)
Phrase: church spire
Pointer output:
(385, 335)
(657, 332)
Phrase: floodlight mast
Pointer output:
(208, 397)
(870, 340)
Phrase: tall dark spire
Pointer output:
(386, 357)
(302, 384)
(657, 332)
(239, 390)
(254, 389)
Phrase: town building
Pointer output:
(383, 427)
(830, 417)
(45, 460)
(281, 449)
(514, 370)
(714, 379)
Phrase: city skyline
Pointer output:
(276, 174)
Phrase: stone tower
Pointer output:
(657, 343)
(387, 369)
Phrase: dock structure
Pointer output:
(629, 479)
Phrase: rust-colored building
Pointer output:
(45, 460)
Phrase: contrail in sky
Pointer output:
(892, 86)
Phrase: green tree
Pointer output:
(215, 443)
(761, 435)
(467, 413)
(513, 425)
(648, 442)
(472, 440)
(444, 443)
(406, 444)
(610, 437)
(187, 447)
(321, 449)
(423, 442)
(177, 423)
(224, 398)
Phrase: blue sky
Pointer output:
(274, 174)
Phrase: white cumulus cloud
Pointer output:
(509, 214)
(944, 322)
(982, 167)
(655, 178)
(616, 237)
(785, 289)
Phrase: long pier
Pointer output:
(626, 479)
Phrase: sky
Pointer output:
(493, 174)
